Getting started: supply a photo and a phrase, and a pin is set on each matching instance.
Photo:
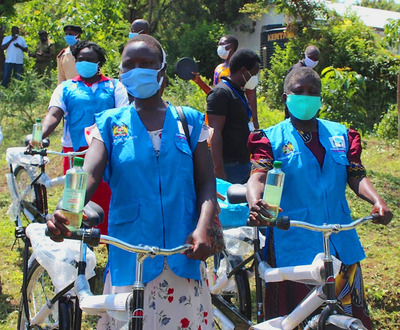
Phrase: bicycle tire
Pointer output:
(35, 201)
(39, 289)
(236, 296)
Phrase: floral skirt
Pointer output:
(170, 302)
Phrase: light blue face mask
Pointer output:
(133, 34)
(87, 69)
(142, 83)
(70, 40)
(303, 107)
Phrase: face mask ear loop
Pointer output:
(162, 65)
(164, 59)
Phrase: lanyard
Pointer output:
(244, 100)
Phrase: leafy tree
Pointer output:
(345, 44)
(303, 13)
(380, 4)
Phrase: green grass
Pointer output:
(382, 244)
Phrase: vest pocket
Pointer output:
(340, 157)
(125, 214)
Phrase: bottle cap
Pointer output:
(277, 164)
(38, 120)
(78, 161)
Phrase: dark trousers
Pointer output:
(10, 68)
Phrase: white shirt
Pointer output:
(14, 54)
(120, 95)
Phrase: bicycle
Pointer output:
(78, 294)
(28, 183)
(320, 273)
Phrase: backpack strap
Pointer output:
(183, 120)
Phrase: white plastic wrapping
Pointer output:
(308, 274)
(14, 209)
(58, 258)
(16, 156)
(238, 241)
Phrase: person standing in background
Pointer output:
(44, 54)
(15, 46)
(66, 68)
(229, 114)
(227, 46)
(2, 57)
(310, 60)
(139, 26)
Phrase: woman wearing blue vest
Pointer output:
(163, 193)
(319, 158)
(77, 100)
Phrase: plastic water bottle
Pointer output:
(37, 134)
(273, 189)
(73, 198)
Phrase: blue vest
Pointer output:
(313, 194)
(153, 198)
(81, 104)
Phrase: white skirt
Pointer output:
(170, 302)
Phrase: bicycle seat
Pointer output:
(236, 193)
(93, 211)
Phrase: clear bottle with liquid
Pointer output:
(273, 189)
(73, 199)
(37, 134)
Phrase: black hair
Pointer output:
(231, 39)
(243, 58)
(76, 49)
(142, 23)
(300, 73)
(151, 41)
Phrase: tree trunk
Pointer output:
(150, 11)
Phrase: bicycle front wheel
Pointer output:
(34, 201)
(234, 301)
(39, 290)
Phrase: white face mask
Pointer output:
(252, 82)
(309, 62)
(222, 52)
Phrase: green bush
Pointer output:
(181, 92)
(21, 103)
(387, 129)
(268, 117)
(343, 93)
(344, 43)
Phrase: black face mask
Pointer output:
(43, 39)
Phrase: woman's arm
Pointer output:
(365, 190)
(204, 179)
(258, 214)
(95, 163)
(51, 121)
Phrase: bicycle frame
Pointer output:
(132, 303)
(324, 293)
(321, 272)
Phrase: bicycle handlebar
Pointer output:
(285, 223)
(44, 152)
(93, 237)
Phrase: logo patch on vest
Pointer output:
(337, 142)
(121, 130)
(287, 148)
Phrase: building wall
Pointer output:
(252, 39)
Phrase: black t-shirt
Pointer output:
(223, 101)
